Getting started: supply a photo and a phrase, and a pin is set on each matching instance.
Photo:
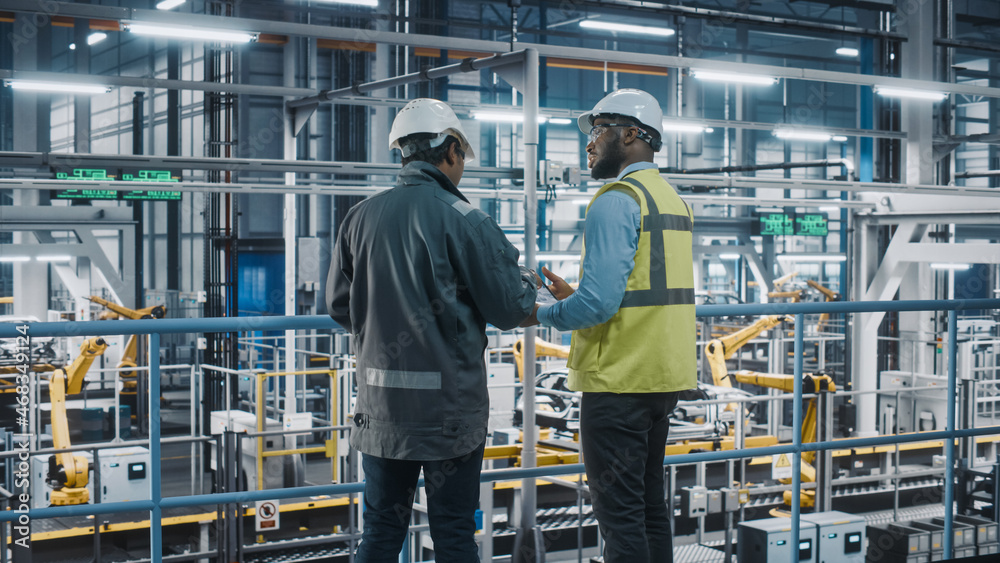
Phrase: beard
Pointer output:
(609, 163)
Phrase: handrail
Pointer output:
(164, 326)
(320, 322)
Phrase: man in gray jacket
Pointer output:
(417, 272)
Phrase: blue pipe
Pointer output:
(800, 324)
(949, 444)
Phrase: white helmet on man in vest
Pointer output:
(427, 115)
(630, 102)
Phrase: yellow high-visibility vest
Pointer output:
(648, 346)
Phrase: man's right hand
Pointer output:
(559, 287)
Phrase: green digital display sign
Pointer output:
(126, 175)
(777, 223)
(811, 225)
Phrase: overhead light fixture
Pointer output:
(955, 266)
(626, 28)
(717, 76)
(196, 33)
(802, 135)
(848, 52)
(55, 258)
(92, 39)
(14, 258)
(839, 138)
(812, 258)
(368, 3)
(686, 127)
(57, 87)
(890, 92)
(169, 4)
(829, 208)
(503, 117)
(729, 256)
(560, 121)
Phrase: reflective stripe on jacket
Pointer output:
(648, 346)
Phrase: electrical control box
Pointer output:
(770, 540)
(840, 536)
(124, 474)
(694, 501)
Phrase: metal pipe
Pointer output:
(467, 65)
(528, 453)
(845, 162)
(949, 443)
(982, 174)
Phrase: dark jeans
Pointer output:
(623, 439)
(452, 488)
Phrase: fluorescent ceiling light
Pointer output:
(717, 76)
(847, 52)
(730, 256)
(839, 138)
(503, 117)
(369, 3)
(686, 127)
(812, 258)
(169, 4)
(560, 121)
(58, 258)
(802, 135)
(92, 39)
(911, 94)
(829, 208)
(61, 87)
(200, 34)
(955, 266)
(14, 258)
(627, 28)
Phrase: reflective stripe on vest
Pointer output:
(656, 222)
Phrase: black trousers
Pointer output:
(623, 438)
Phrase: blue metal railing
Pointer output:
(155, 327)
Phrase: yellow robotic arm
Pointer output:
(830, 295)
(69, 473)
(778, 283)
(542, 348)
(811, 383)
(718, 350)
(131, 351)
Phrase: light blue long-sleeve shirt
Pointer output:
(611, 232)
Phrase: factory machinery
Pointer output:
(851, 499)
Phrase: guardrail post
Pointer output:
(949, 443)
(155, 491)
(797, 434)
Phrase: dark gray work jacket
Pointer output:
(416, 274)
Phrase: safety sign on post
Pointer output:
(267, 516)
(781, 466)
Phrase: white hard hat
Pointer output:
(637, 104)
(427, 115)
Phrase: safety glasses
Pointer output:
(597, 130)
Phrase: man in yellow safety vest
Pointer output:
(632, 317)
